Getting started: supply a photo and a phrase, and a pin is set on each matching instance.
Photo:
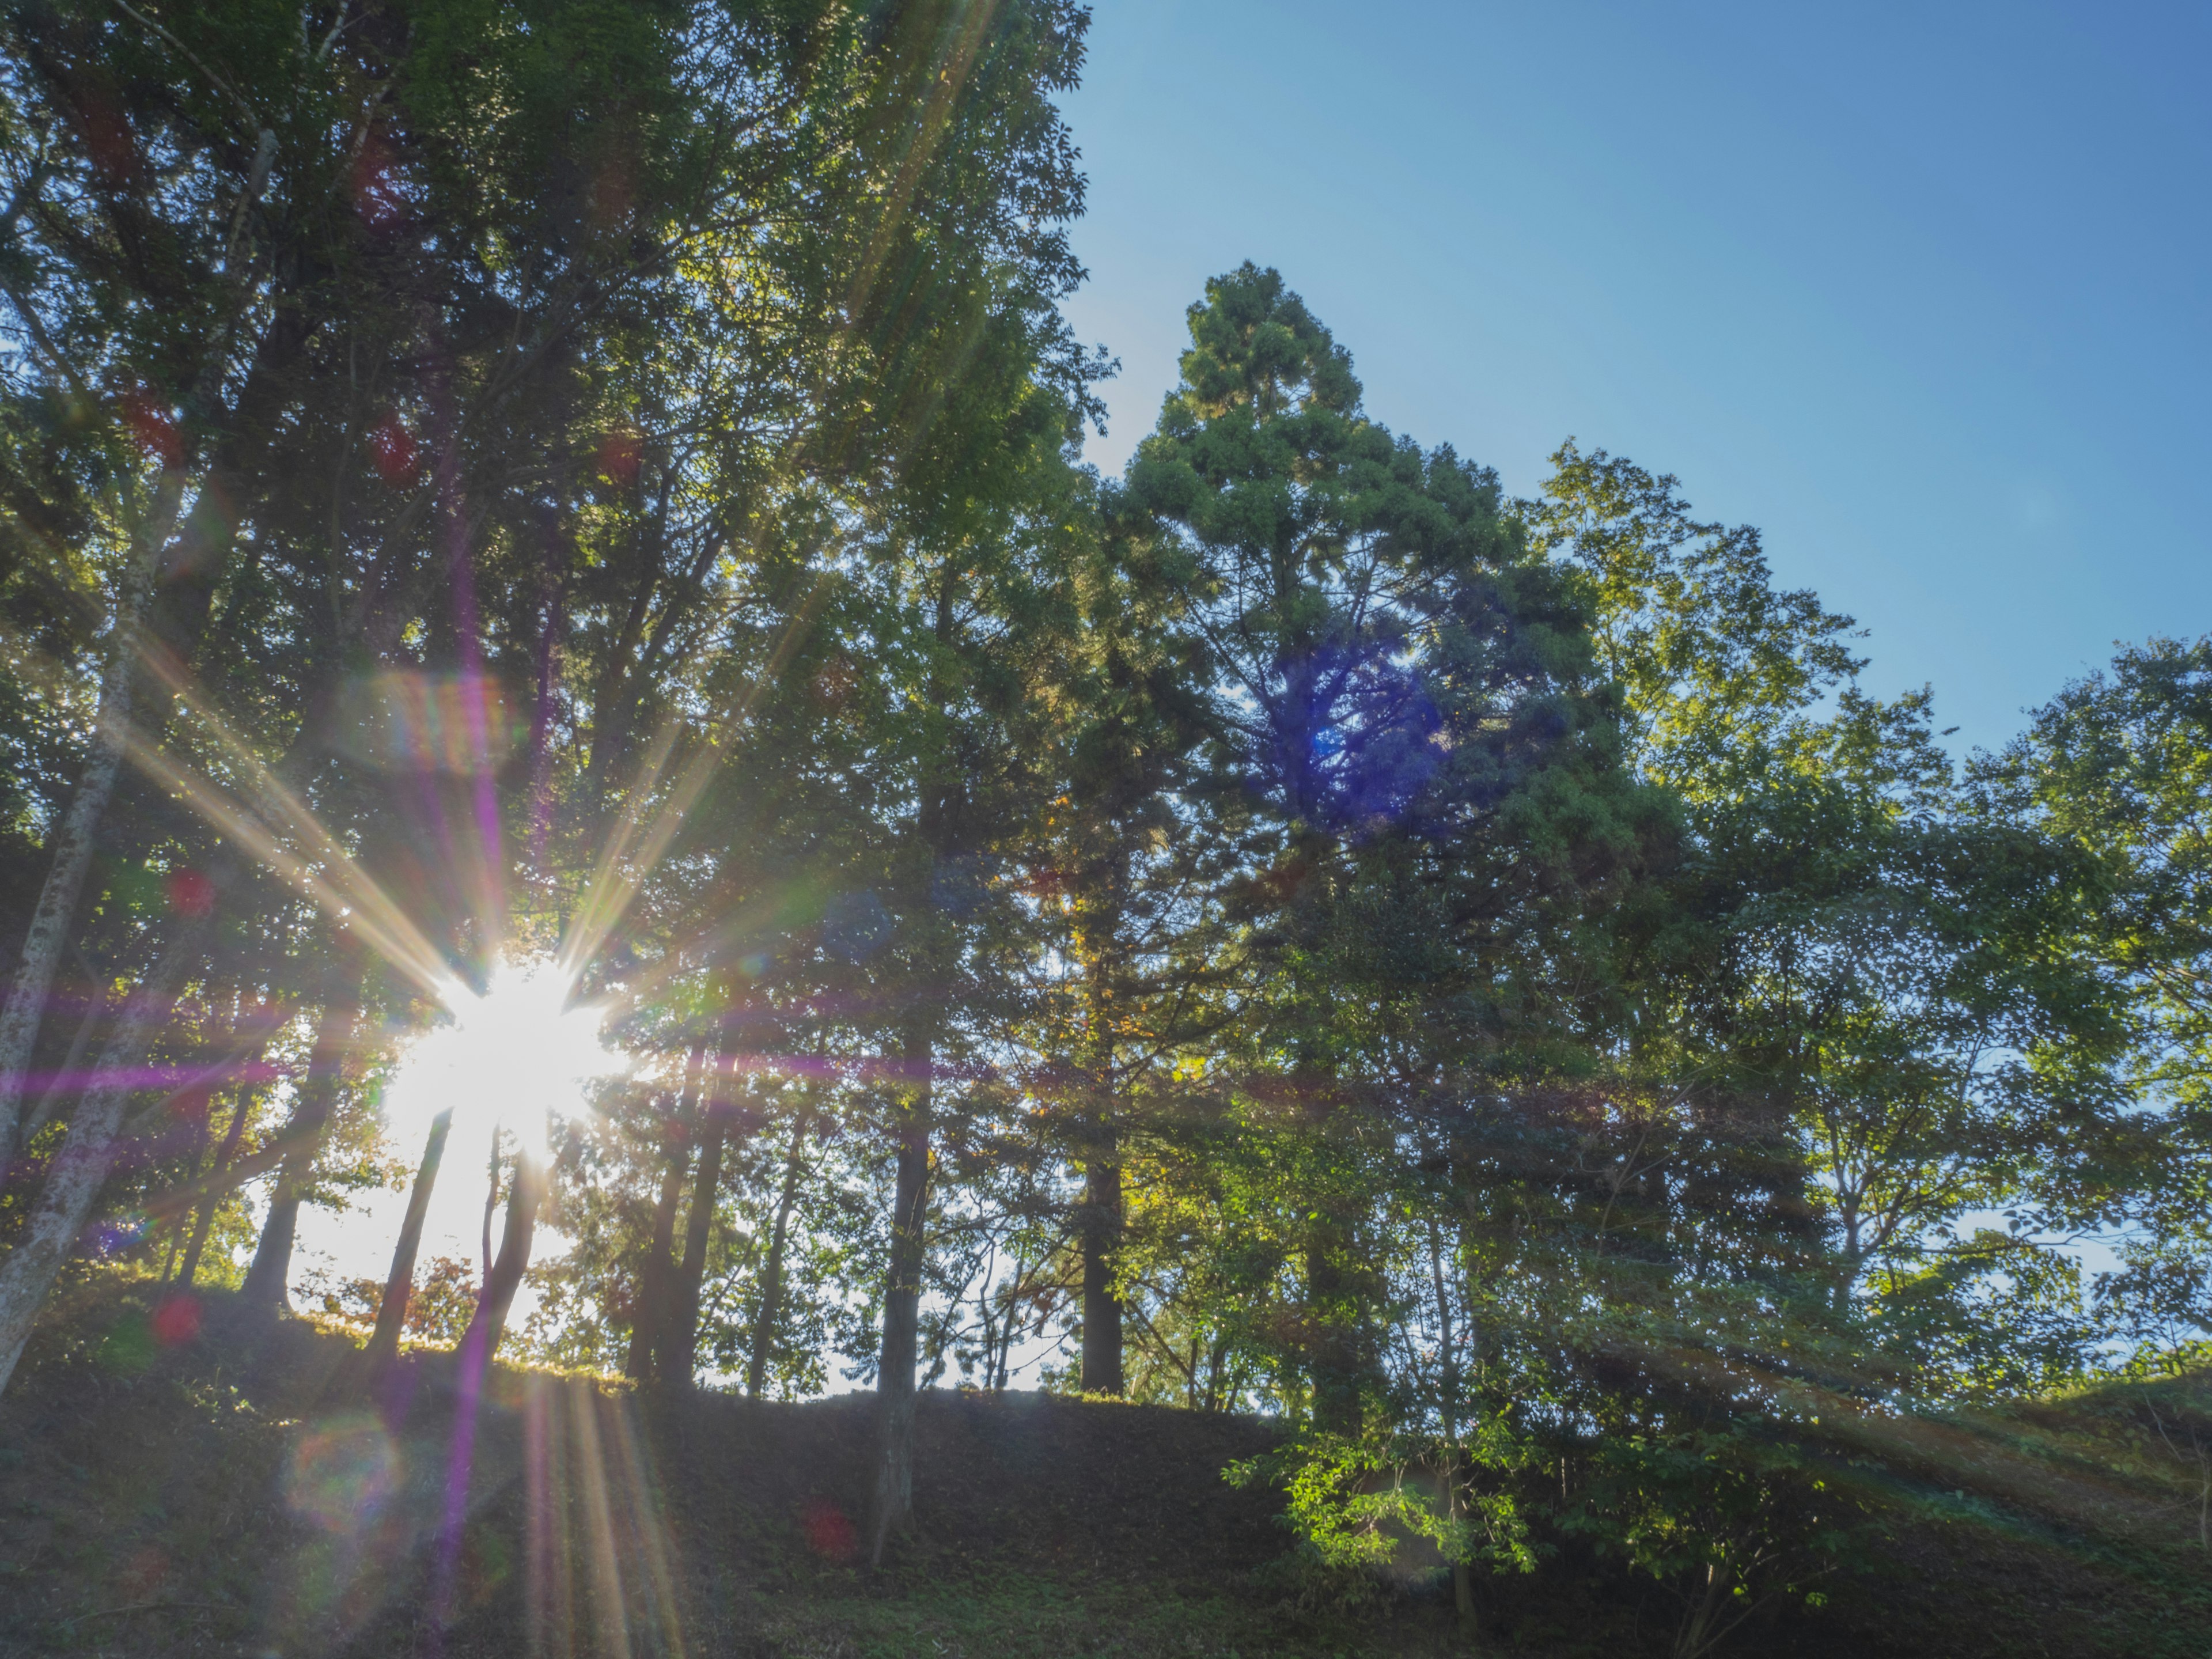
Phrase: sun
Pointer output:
(513, 1058)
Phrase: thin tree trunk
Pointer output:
(526, 1196)
(74, 837)
(491, 1205)
(179, 1226)
(267, 1282)
(1102, 1238)
(399, 1283)
(1097, 944)
(204, 1214)
(1462, 1579)
(80, 1169)
(892, 1503)
(771, 1299)
(650, 1317)
(679, 1357)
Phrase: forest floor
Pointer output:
(168, 1488)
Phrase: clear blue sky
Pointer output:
(1924, 291)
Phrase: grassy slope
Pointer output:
(207, 1495)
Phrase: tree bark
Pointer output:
(1102, 1238)
(771, 1296)
(266, 1285)
(80, 1169)
(679, 1357)
(1463, 1580)
(399, 1283)
(1336, 1372)
(892, 1505)
(202, 1111)
(650, 1317)
(526, 1197)
(79, 829)
(1100, 912)
(204, 1212)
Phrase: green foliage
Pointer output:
(1366, 1504)
(1728, 1517)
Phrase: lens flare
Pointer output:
(341, 1473)
(513, 1057)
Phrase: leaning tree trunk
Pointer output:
(80, 1169)
(892, 1503)
(399, 1283)
(266, 1286)
(74, 837)
(526, 1197)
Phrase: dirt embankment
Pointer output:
(176, 1482)
(173, 1481)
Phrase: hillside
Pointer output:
(169, 1488)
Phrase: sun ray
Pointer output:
(360, 905)
(616, 881)
(346, 891)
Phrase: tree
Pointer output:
(2119, 767)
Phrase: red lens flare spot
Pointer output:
(190, 893)
(152, 428)
(391, 450)
(828, 1533)
(144, 1572)
(107, 137)
(177, 1321)
(376, 192)
(620, 455)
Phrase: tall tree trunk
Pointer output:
(771, 1296)
(74, 836)
(1337, 1373)
(650, 1317)
(204, 1214)
(679, 1357)
(1102, 1238)
(267, 1286)
(526, 1197)
(80, 1167)
(1099, 924)
(892, 1503)
(399, 1283)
